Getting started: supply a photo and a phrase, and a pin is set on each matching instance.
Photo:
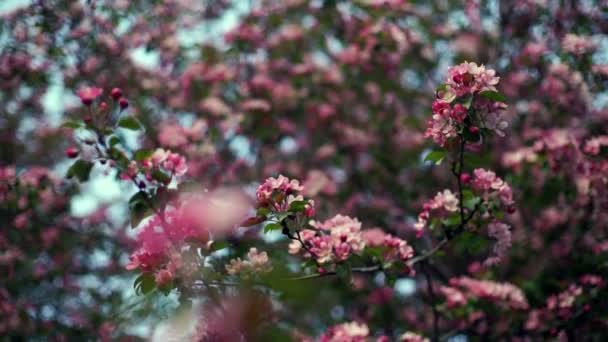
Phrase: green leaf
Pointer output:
(280, 216)
(344, 272)
(436, 157)
(161, 176)
(493, 95)
(453, 220)
(144, 284)
(139, 208)
(442, 87)
(272, 226)
(218, 245)
(73, 124)
(114, 140)
(143, 155)
(298, 206)
(466, 101)
(118, 156)
(469, 200)
(129, 122)
(81, 169)
(263, 211)
(139, 211)
(140, 196)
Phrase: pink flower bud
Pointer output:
(474, 129)
(123, 103)
(72, 152)
(116, 93)
(465, 178)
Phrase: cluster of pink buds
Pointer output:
(88, 95)
(281, 194)
(467, 103)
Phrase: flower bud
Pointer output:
(116, 93)
(465, 178)
(72, 152)
(474, 129)
(123, 103)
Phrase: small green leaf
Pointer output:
(344, 272)
(272, 226)
(469, 200)
(81, 169)
(144, 284)
(139, 211)
(129, 122)
(453, 220)
(139, 208)
(114, 140)
(298, 206)
(160, 176)
(493, 95)
(442, 87)
(143, 155)
(263, 211)
(218, 245)
(72, 124)
(280, 216)
(436, 157)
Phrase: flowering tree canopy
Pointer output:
(304, 170)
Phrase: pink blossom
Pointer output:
(594, 145)
(470, 78)
(492, 186)
(501, 233)
(89, 94)
(346, 332)
(504, 294)
(256, 262)
(412, 337)
(578, 45)
(279, 184)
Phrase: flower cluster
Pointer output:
(564, 304)
(161, 240)
(492, 188)
(160, 166)
(350, 331)
(256, 262)
(334, 240)
(396, 248)
(465, 104)
(463, 289)
(360, 332)
(280, 187)
(280, 194)
(501, 233)
(443, 203)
